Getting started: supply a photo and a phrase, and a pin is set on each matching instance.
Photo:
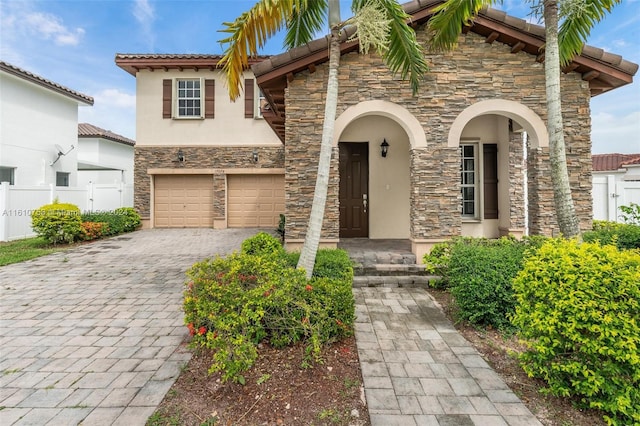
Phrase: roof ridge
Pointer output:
(35, 78)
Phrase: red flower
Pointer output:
(191, 328)
(308, 287)
(202, 330)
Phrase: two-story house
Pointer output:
(39, 131)
(200, 159)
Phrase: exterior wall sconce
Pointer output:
(384, 147)
(180, 155)
(254, 155)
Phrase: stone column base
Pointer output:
(296, 245)
(516, 232)
(420, 247)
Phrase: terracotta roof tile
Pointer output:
(41, 81)
(612, 162)
(87, 130)
(134, 62)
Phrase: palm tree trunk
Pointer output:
(565, 210)
(314, 228)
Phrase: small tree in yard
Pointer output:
(381, 23)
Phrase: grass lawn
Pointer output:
(21, 250)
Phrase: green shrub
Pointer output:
(58, 223)
(130, 218)
(124, 219)
(480, 274)
(231, 304)
(330, 263)
(622, 235)
(579, 311)
(262, 244)
(436, 262)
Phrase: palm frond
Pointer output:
(306, 20)
(578, 19)
(248, 33)
(404, 54)
(446, 24)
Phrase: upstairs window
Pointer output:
(189, 99)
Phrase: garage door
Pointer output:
(255, 200)
(183, 201)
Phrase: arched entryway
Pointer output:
(492, 170)
(380, 199)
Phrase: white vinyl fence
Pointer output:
(18, 202)
(609, 194)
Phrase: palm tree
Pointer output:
(562, 43)
(396, 43)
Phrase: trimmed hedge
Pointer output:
(579, 309)
(231, 304)
(58, 223)
(480, 275)
(121, 220)
(623, 235)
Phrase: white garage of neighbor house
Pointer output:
(616, 182)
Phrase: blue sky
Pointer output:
(73, 43)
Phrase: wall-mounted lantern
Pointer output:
(384, 148)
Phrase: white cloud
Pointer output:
(143, 12)
(616, 133)
(145, 15)
(49, 26)
(115, 98)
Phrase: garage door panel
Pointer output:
(183, 201)
(255, 200)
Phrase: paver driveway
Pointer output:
(93, 335)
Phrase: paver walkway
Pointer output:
(418, 370)
(93, 335)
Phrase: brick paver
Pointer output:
(93, 335)
(418, 370)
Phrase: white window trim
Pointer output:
(258, 96)
(477, 160)
(176, 110)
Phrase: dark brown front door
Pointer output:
(354, 189)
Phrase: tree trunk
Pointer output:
(565, 210)
(314, 228)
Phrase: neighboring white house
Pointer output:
(616, 182)
(44, 156)
(104, 157)
(38, 130)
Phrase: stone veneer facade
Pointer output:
(475, 71)
(214, 160)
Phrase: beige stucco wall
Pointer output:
(388, 177)
(229, 127)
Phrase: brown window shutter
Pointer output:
(209, 98)
(490, 152)
(249, 104)
(167, 91)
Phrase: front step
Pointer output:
(393, 281)
(387, 269)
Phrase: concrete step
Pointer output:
(388, 269)
(393, 281)
(370, 258)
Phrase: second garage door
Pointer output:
(183, 201)
(255, 200)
